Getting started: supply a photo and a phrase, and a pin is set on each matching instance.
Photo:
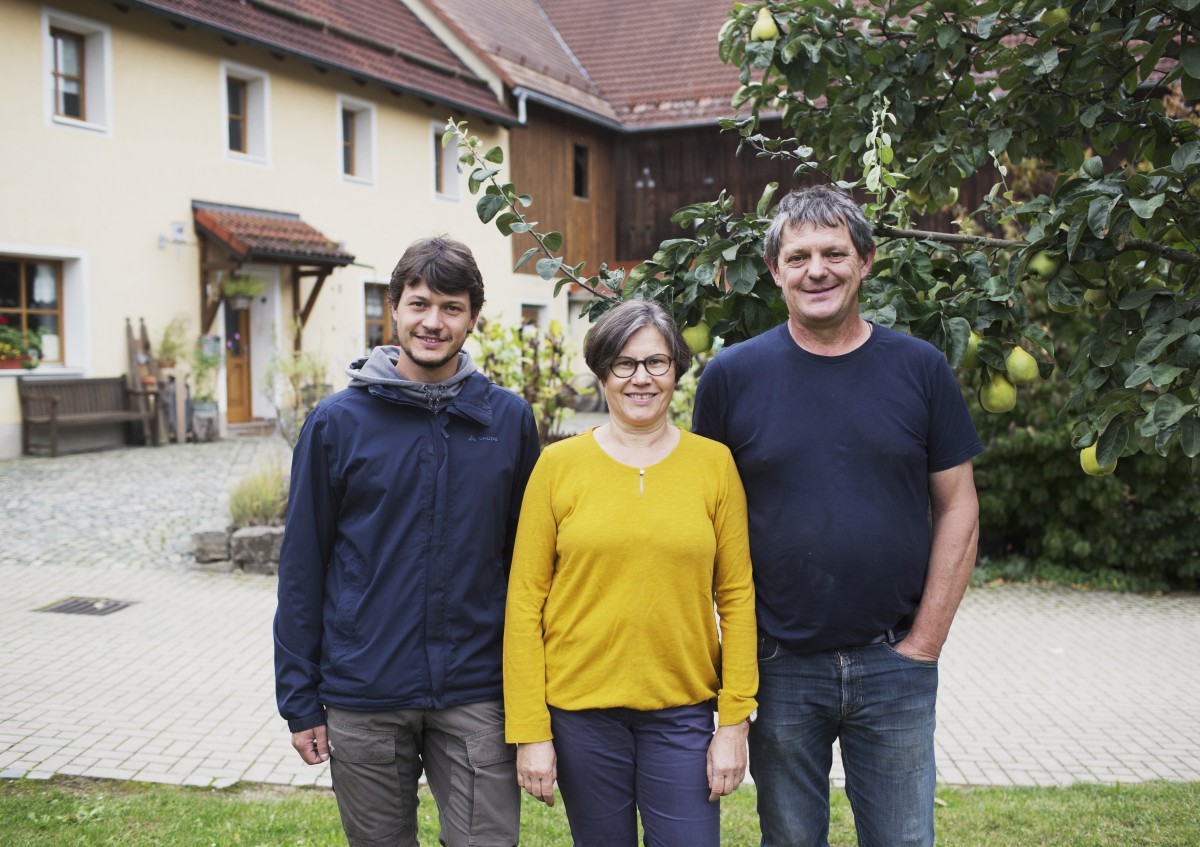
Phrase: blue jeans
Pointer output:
(881, 706)
(615, 763)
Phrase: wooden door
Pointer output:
(237, 365)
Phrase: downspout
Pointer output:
(522, 98)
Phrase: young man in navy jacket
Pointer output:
(405, 492)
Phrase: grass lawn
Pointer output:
(70, 811)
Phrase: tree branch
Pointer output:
(946, 237)
(1169, 253)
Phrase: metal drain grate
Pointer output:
(86, 606)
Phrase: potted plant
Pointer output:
(240, 289)
(205, 361)
(19, 348)
(171, 345)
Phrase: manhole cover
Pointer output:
(86, 606)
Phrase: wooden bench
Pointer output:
(57, 402)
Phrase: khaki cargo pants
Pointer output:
(376, 759)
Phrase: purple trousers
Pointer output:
(616, 763)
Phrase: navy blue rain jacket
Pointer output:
(395, 557)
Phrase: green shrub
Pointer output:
(1042, 517)
(260, 498)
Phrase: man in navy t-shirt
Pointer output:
(854, 445)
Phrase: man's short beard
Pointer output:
(426, 364)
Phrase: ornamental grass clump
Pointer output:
(260, 499)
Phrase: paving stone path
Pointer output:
(1039, 686)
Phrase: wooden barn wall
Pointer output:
(659, 172)
(542, 166)
(637, 181)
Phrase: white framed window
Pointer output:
(47, 289)
(446, 182)
(246, 95)
(77, 70)
(356, 134)
(377, 319)
(534, 314)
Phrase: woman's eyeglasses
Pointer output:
(626, 367)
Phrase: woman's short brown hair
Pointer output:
(608, 337)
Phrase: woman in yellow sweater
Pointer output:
(629, 534)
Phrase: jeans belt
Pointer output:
(891, 637)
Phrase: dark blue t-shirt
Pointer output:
(835, 453)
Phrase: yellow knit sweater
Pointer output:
(614, 577)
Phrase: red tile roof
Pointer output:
(656, 62)
(380, 40)
(629, 63)
(639, 64)
(261, 235)
(525, 50)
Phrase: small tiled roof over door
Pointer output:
(260, 235)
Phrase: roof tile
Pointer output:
(378, 39)
(260, 234)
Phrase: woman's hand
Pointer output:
(537, 768)
(726, 759)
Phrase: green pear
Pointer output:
(971, 359)
(1050, 17)
(698, 338)
(1091, 466)
(1044, 266)
(764, 28)
(1020, 367)
(998, 395)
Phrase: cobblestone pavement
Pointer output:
(1038, 686)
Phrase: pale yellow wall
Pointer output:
(105, 199)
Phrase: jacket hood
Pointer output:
(379, 368)
(377, 374)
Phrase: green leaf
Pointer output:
(1099, 212)
(494, 155)
(741, 275)
(1189, 437)
(1152, 344)
(526, 256)
(547, 268)
(1165, 374)
(1140, 375)
(1112, 444)
(1168, 409)
(553, 241)
(488, 205)
(999, 139)
(1145, 209)
(1189, 57)
(1187, 154)
(478, 177)
(504, 222)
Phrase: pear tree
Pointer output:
(903, 102)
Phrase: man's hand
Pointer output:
(914, 649)
(312, 744)
(537, 768)
(727, 759)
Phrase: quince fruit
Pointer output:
(765, 28)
